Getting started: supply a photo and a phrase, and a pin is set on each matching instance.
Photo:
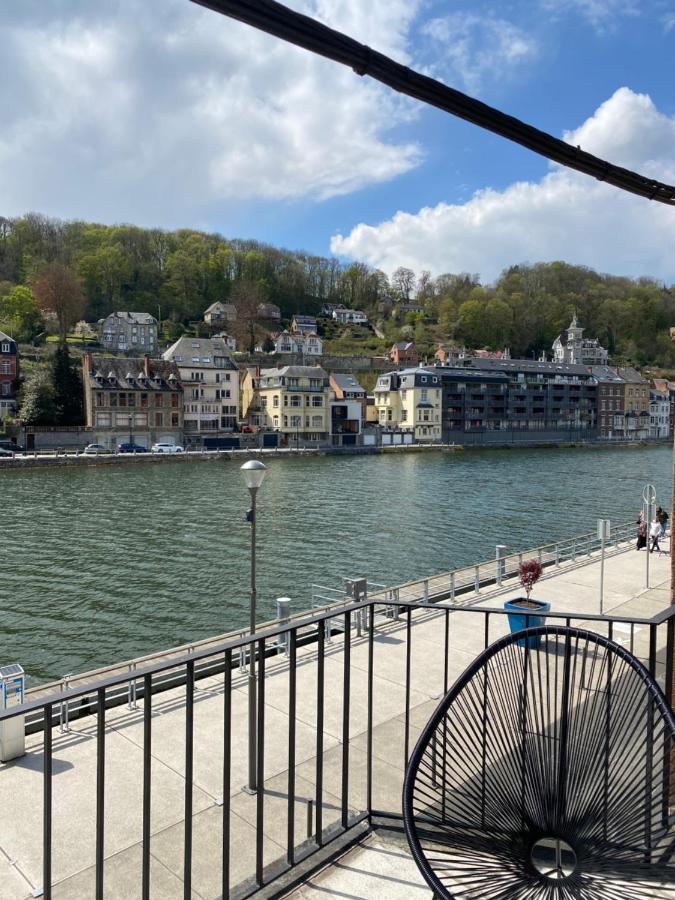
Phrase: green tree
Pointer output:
(67, 389)
(19, 314)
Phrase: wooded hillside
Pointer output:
(184, 271)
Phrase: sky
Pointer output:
(162, 113)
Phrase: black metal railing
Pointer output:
(342, 691)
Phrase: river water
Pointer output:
(101, 564)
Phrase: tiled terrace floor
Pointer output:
(573, 590)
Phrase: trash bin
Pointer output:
(12, 731)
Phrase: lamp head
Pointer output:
(254, 473)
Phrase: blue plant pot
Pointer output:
(526, 617)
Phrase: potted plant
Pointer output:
(524, 612)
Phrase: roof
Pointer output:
(210, 347)
(347, 382)
(529, 365)
(404, 345)
(458, 373)
(140, 318)
(219, 304)
(294, 372)
(6, 337)
(606, 373)
(114, 371)
(303, 318)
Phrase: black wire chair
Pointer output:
(544, 773)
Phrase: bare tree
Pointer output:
(247, 296)
(58, 290)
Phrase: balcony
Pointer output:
(132, 779)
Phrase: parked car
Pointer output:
(130, 447)
(165, 447)
(4, 453)
(95, 449)
(245, 428)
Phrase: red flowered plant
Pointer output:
(529, 574)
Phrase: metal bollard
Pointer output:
(283, 615)
(131, 698)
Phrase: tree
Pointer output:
(19, 314)
(403, 282)
(67, 389)
(247, 296)
(36, 399)
(58, 290)
(268, 345)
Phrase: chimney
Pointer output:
(146, 365)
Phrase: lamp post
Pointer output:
(254, 474)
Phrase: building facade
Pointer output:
(303, 325)
(404, 353)
(9, 375)
(292, 400)
(346, 387)
(129, 332)
(543, 401)
(135, 400)
(571, 347)
(350, 316)
(308, 344)
(410, 401)
(220, 313)
(210, 387)
(659, 414)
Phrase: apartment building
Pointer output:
(307, 343)
(219, 313)
(292, 400)
(129, 332)
(411, 401)
(210, 387)
(9, 374)
(623, 403)
(136, 399)
(303, 325)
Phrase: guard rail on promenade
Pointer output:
(278, 650)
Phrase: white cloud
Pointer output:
(164, 112)
(565, 215)
(479, 48)
(603, 15)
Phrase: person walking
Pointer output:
(641, 532)
(662, 518)
(655, 534)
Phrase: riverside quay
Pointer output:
(514, 765)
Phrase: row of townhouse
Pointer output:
(487, 400)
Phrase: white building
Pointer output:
(572, 347)
(210, 387)
(659, 415)
(350, 317)
(304, 344)
(129, 332)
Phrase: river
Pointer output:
(101, 564)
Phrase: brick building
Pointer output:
(9, 374)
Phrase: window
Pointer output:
(123, 400)
(174, 419)
(4, 367)
(103, 420)
(285, 421)
(423, 393)
(174, 400)
(159, 419)
(144, 400)
(296, 400)
(317, 421)
(107, 336)
(132, 400)
(100, 399)
(122, 419)
(113, 399)
(158, 400)
(263, 402)
(276, 421)
(275, 401)
(317, 401)
(296, 421)
(141, 420)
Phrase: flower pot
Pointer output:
(524, 613)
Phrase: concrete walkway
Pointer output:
(570, 590)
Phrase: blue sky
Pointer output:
(162, 113)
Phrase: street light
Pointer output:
(254, 474)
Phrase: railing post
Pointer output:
(500, 553)
(64, 712)
(476, 579)
(283, 615)
(425, 588)
(574, 550)
(557, 556)
(452, 586)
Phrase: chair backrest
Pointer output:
(545, 772)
